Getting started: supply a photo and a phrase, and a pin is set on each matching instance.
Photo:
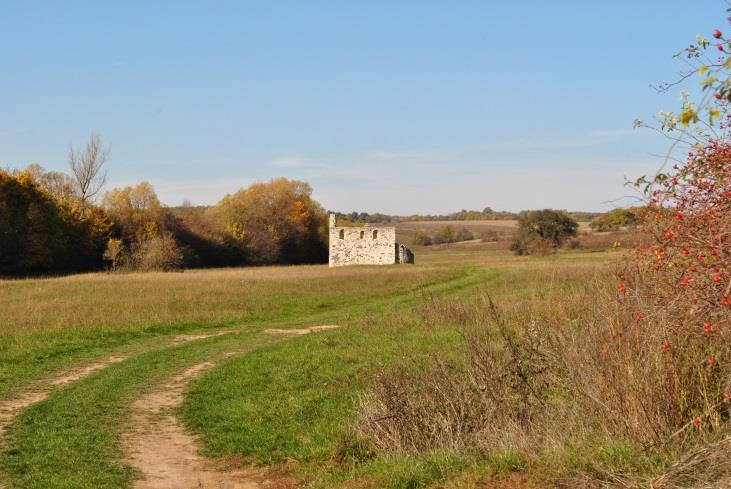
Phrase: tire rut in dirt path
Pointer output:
(166, 454)
(301, 331)
(10, 408)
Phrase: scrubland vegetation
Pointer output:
(474, 368)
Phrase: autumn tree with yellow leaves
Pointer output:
(275, 221)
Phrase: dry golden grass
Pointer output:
(209, 296)
(405, 230)
(477, 226)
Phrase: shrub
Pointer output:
(521, 244)
(115, 253)
(682, 283)
(445, 235)
(421, 238)
(158, 252)
(464, 234)
(491, 394)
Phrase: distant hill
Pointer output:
(487, 214)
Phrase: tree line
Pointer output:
(448, 234)
(54, 222)
(486, 214)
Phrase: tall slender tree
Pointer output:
(87, 169)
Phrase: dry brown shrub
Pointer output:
(707, 467)
(489, 398)
(158, 252)
(545, 376)
(644, 390)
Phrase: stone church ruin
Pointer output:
(366, 245)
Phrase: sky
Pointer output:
(399, 107)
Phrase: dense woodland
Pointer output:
(53, 223)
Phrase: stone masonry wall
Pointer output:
(362, 246)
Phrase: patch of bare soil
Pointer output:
(166, 455)
(79, 374)
(184, 338)
(10, 408)
(301, 331)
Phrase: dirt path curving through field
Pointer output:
(160, 448)
(165, 453)
(10, 408)
(40, 391)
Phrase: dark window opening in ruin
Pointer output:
(342, 234)
(375, 234)
(362, 233)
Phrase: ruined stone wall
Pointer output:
(362, 246)
(405, 255)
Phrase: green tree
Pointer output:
(543, 230)
(615, 219)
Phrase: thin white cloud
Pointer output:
(292, 161)
(510, 175)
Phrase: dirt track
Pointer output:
(166, 454)
(10, 408)
(160, 448)
(301, 331)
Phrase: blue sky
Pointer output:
(398, 107)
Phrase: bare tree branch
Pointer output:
(86, 168)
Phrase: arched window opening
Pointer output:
(342, 234)
(362, 234)
(375, 233)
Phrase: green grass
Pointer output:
(286, 400)
(300, 394)
(50, 324)
(72, 439)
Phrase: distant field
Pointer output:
(405, 230)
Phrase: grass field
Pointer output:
(287, 403)
(405, 230)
